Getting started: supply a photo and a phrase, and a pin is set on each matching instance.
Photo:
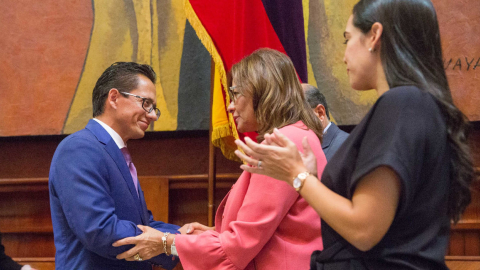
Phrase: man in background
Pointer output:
(333, 136)
(95, 197)
(6, 263)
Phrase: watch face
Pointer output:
(297, 183)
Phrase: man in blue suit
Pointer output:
(95, 198)
(333, 136)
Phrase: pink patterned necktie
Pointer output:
(130, 165)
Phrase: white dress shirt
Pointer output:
(118, 140)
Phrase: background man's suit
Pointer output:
(6, 263)
(94, 202)
(332, 140)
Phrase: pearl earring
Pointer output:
(371, 50)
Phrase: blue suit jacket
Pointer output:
(94, 203)
(332, 140)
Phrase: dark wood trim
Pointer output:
(462, 258)
(35, 259)
(200, 181)
(23, 184)
(466, 225)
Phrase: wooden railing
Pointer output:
(40, 263)
(463, 262)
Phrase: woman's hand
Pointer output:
(184, 229)
(279, 156)
(309, 158)
(197, 228)
(147, 245)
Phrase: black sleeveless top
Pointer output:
(404, 130)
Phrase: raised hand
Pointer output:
(279, 156)
(308, 157)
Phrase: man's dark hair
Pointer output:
(121, 75)
(315, 97)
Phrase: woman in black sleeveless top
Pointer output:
(387, 196)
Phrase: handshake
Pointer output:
(153, 242)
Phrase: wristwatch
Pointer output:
(299, 180)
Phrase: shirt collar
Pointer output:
(325, 129)
(118, 140)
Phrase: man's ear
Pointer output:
(112, 98)
(375, 36)
(320, 111)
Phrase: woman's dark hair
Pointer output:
(269, 77)
(411, 54)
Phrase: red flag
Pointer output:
(231, 30)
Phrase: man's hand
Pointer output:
(147, 245)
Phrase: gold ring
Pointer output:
(137, 257)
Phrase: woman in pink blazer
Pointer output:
(262, 223)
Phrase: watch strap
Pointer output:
(301, 178)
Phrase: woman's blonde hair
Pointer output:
(269, 77)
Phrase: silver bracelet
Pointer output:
(164, 240)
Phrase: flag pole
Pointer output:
(211, 156)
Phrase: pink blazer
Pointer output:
(262, 223)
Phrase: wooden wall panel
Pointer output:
(33, 244)
(189, 197)
(156, 194)
(457, 244)
(25, 211)
(472, 243)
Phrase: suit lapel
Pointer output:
(112, 149)
(329, 135)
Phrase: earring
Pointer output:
(372, 50)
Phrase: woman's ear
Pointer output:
(375, 38)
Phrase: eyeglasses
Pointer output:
(233, 95)
(147, 104)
